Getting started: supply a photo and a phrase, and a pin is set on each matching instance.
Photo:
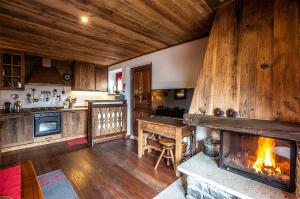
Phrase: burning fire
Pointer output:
(265, 161)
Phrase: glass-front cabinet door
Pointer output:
(12, 70)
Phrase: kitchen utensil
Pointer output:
(33, 98)
(28, 98)
(7, 107)
(48, 94)
(17, 107)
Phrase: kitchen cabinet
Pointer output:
(89, 77)
(83, 76)
(101, 79)
(74, 123)
(16, 130)
(12, 67)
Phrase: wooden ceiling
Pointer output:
(117, 29)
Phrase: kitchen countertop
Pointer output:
(27, 111)
(94, 101)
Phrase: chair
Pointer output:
(167, 152)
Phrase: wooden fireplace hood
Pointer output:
(251, 65)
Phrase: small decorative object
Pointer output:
(66, 104)
(71, 101)
(218, 112)
(202, 111)
(67, 77)
(231, 113)
(14, 96)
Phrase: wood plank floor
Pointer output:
(109, 170)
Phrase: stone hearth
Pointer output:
(206, 180)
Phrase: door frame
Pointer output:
(132, 70)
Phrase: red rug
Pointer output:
(10, 183)
(77, 141)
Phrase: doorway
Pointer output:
(141, 88)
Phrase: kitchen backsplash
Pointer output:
(52, 100)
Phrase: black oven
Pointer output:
(47, 124)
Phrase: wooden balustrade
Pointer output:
(106, 120)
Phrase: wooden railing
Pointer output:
(107, 120)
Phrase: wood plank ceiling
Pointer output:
(117, 30)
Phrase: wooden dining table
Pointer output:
(165, 127)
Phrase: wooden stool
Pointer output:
(168, 146)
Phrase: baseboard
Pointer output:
(35, 144)
(133, 137)
(127, 137)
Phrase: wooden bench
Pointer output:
(31, 188)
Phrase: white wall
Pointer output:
(175, 67)
(81, 96)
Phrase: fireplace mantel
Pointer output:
(268, 128)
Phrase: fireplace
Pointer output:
(268, 160)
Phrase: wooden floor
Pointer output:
(109, 170)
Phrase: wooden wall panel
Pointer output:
(255, 49)
(252, 61)
(219, 62)
(286, 61)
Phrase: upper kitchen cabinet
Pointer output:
(101, 79)
(89, 77)
(83, 76)
(12, 67)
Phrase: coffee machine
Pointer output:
(7, 107)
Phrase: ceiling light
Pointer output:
(84, 19)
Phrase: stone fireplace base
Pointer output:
(207, 181)
(199, 189)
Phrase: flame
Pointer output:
(265, 161)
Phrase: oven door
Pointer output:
(47, 124)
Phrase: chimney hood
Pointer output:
(45, 74)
